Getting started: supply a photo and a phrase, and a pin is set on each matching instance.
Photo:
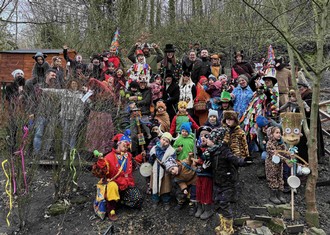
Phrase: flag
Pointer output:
(115, 41)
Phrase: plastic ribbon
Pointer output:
(293, 150)
(72, 167)
(8, 190)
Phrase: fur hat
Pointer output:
(212, 77)
(161, 104)
(167, 135)
(186, 126)
(39, 54)
(239, 53)
(217, 135)
(16, 71)
(182, 104)
(230, 114)
(169, 163)
(169, 48)
(262, 121)
(213, 112)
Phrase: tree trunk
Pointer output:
(171, 10)
(152, 15)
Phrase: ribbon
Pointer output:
(293, 150)
(8, 191)
(72, 167)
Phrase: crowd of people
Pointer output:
(190, 122)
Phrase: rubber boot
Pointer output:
(208, 212)
(273, 197)
(220, 229)
(280, 197)
(200, 210)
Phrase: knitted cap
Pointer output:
(212, 77)
(186, 126)
(16, 71)
(213, 112)
(39, 54)
(167, 135)
(262, 121)
(217, 135)
(169, 163)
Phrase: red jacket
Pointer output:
(125, 178)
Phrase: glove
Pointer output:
(206, 164)
(153, 157)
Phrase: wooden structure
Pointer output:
(22, 59)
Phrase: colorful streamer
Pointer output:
(8, 191)
(72, 167)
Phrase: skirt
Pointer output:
(204, 190)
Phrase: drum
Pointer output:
(145, 169)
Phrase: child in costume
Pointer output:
(117, 182)
(185, 176)
(162, 116)
(139, 68)
(184, 144)
(292, 105)
(156, 89)
(160, 180)
(181, 117)
(225, 103)
(224, 166)
(235, 136)
(204, 183)
(213, 119)
(274, 172)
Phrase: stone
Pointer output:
(264, 231)
(316, 231)
(278, 210)
(295, 229)
(241, 221)
(254, 224)
(276, 225)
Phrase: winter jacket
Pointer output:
(187, 144)
(236, 139)
(242, 99)
(171, 97)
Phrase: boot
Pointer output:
(192, 208)
(219, 229)
(200, 210)
(208, 212)
(273, 198)
(112, 215)
(280, 197)
(228, 227)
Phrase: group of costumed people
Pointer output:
(184, 123)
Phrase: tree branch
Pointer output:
(281, 33)
(31, 22)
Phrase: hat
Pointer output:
(169, 163)
(139, 52)
(262, 121)
(169, 48)
(225, 96)
(161, 104)
(271, 74)
(238, 53)
(279, 63)
(145, 45)
(134, 84)
(212, 77)
(117, 137)
(168, 73)
(223, 76)
(125, 138)
(186, 73)
(244, 77)
(96, 56)
(16, 71)
(167, 135)
(213, 112)
(39, 54)
(215, 56)
(186, 126)
(217, 135)
(182, 104)
(203, 128)
(231, 115)
(202, 79)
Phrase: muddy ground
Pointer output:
(80, 218)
